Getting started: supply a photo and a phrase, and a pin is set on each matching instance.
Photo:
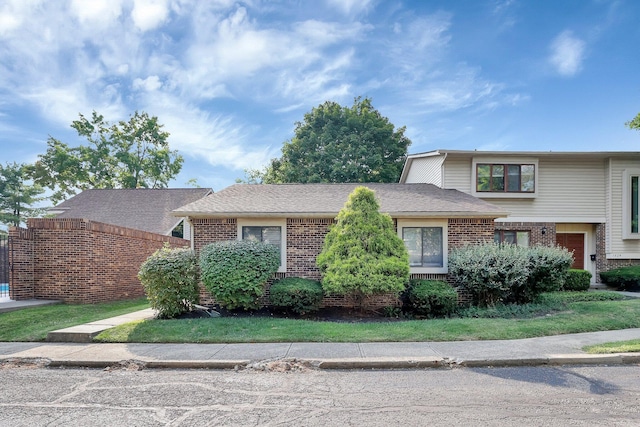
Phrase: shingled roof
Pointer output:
(326, 200)
(140, 208)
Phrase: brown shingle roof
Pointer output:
(139, 208)
(326, 200)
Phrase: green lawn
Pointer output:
(561, 317)
(33, 324)
(632, 346)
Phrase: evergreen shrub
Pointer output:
(431, 298)
(236, 272)
(577, 280)
(548, 267)
(623, 278)
(171, 281)
(296, 294)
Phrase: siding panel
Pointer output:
(426, 170)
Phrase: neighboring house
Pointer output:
(584, 201)
(140, 208)
(296, 218)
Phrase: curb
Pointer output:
(334, 364)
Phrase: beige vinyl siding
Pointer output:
(616, 246)
(427, 170)
(457, 174)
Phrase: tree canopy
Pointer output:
(341, 144)
(634, 124)
(362, 252)
(127, 154)
(18, 194)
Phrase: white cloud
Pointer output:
(567, 54)
(349, 7)
(96, 13)
(149, 14)
(149, 84)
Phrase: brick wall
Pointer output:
(80, 261)
(305, 238)
(540, 233)
(602, 263)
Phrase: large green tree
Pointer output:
(126, 154)
(635, 123)
(362, 253)
(18, 194)
(341, 144)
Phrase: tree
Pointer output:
(17, 195)
(341, 144)
(127, 154)
(634, 124)
(362, 254)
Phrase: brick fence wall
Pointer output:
(80, 261)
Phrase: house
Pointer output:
(296, 218)
(584, 201)
(138, 208)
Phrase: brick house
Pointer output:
(296, 218)
(587, 202)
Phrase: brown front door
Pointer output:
(573, 242)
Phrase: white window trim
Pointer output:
(282, 223)
(504, 161)
(627, 174)
(402, 223)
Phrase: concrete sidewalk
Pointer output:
(554, 350)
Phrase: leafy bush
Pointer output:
(235, 272)
(171, 281)
(362, 252)
(577, 280)
(296, 294)
(622, 278)
(489, 271)
(548, 267)
(431, 298)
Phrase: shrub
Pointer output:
(235, 272)
(296, 294)
(563, 298)
(548, 267)
(622, 278)
(362, 252)
(489, 271)
(171, 281)
(577, 280)
(431, 298)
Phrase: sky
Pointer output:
(229, 79)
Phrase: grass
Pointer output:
(564, 313)
(33, 324)
(631, 346)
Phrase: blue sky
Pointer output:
(229, 79)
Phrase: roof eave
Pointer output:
(451, 214)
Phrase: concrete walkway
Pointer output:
(556, 350)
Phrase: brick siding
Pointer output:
(80, 261)
(305, 238)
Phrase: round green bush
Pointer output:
(431, 298)
(171, 281)
(236, 272)
(577, 280)
(296, 294)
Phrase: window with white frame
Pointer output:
(426, 242)
(630, 203)
(272, 232)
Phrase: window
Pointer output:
(426, 242)
(520, 238)
(630, 204)
(501, 178)
(272, 232)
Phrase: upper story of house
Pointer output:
(560, 187)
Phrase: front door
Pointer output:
(573, 242)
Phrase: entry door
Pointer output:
(573, 242)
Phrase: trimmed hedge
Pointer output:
(236, 272)
(171, 281)
(431, 298)
(296, 294)
(548, 267)
(577, 280)
(623, 278)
